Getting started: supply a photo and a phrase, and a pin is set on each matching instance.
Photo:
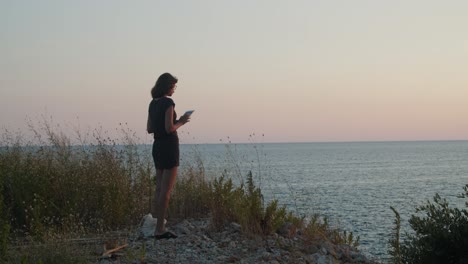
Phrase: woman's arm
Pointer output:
(149, 126)
(169, 123)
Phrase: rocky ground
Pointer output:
(198, 243)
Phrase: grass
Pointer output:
(52, 252)
(51, 188)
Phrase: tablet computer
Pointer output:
(189, 112)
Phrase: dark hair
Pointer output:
(163, 85)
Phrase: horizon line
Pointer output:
(337, 141)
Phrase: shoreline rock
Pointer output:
(197, 242)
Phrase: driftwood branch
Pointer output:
(110, 251)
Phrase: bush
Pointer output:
(440, 235)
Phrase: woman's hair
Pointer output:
(163, 85)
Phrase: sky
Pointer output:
(284, 71)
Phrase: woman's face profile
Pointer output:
(172, 90)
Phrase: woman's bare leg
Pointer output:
(157, 191)
(167, 183)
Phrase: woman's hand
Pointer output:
(169, 125)
(184, 119)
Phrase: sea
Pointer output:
(352, 184)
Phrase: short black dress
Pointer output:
(165, 146)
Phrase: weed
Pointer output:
(319, 228)
(395, 239)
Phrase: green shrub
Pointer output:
(249, 209)
(440, 234)
(318, 228)
(245, 205)
(222, 199)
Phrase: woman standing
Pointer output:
(162, 121)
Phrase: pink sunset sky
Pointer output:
(293, 71)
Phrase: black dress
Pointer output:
(166, 145)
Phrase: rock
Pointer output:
(198, 243)
(266, 256)
(324, 251)
(188, 225)
(182, 230)
(359, 258)
(311, 249)
(232, 244)
(288, 230)
(314, 257)
(235, 226)
(233, 259)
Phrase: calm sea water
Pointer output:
(353, 184)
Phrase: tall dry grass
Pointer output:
(48, 183)
(51, 187)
